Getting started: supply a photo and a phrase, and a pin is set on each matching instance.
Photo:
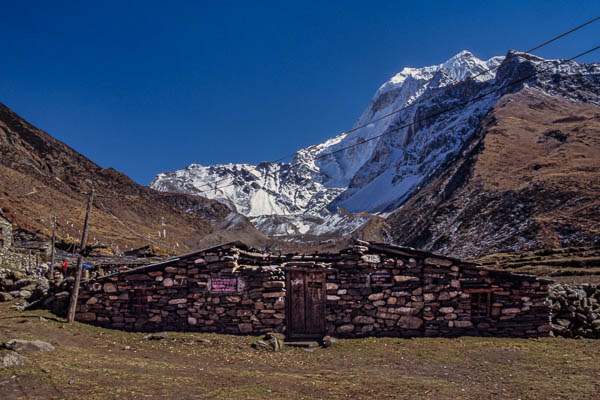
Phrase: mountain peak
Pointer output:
(462, 54)
(389, 155)
(462, 65)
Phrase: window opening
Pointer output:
(481, 303)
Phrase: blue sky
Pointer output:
(150, 86)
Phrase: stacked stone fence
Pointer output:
(21, 259)
(575, 310)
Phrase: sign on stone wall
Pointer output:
(371, 258)
(381, 278)
(223, 284)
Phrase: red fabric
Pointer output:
(65, 264)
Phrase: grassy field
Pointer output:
(95, 363)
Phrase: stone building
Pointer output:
(5, 234)
(370, 289)
(20, 255)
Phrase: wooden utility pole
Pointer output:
(51, 276)
(75, 292)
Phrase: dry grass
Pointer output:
(92, 363)
(529, 179)
(566, 265)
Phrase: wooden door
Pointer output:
(305, 304)
(138, 301)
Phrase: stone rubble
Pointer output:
(575, 310)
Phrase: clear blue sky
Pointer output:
(150, 86)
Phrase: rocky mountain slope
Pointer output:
(529, 178)
(309, 195)
(41, 176)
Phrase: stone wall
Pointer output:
(427, 296)
(21, 259)
(370, 291)
(13, 256)
(5, 234)
(575, 310)
(183, 296)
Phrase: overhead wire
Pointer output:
(457, 105)
(214, 185)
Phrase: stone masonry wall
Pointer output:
(178, 296)
(17, 258)
(412, 296)
(370, 291)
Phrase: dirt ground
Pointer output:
(96, 363)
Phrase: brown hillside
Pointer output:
(41, 176)
(529, 179)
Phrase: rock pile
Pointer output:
(56, 298)
(272, 341)
(17, 285)
(16, 346)
(575, 310)
(35, 291)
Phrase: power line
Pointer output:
(214, 185)
(458, 105)
(462, 104)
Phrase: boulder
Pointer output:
(376, 296)
(12, 359)
(276, 335)
(5, 296)
(23, 346)
(463, 324)
(24, 294)
(6, 283)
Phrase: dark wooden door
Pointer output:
(305, 304)
(138, 301)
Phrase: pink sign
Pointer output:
(221, 284)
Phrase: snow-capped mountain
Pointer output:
(385, 159)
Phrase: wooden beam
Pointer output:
(75, 292)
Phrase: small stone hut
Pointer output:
(19, 254)
(370, 289)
